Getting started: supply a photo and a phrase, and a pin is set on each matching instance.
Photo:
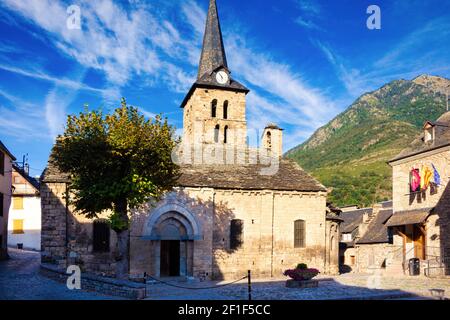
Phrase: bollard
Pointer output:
(249, 277)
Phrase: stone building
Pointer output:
(6, 161)
(24, 226)
(420, 221)
(235, 208)
(364, 235)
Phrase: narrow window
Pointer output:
(236, 233)
(269, 140)
(1, 204)
(17, 203)
(17, 226)
(225, 133)
(390, 235)
(101, 236)
(225, 109)
(216, 133)
(214, 108)
(2, 163)
(299, 234)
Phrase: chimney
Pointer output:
(273, 140)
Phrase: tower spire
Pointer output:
(213, 52)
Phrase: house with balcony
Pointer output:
(421, 200)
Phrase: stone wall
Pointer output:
(268, 235)
(91, 282)
(332, 247)
(437, 225)
(375, 257)
(268, 232)
(197, 112)
(67, 236)
(400, 179)
(53, 229)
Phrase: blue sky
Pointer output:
(304, 61)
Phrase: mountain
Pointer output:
(349, 154)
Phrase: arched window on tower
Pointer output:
(214, 108)
(216, 133)
(269, 140)
(225, 134)
(225, 109)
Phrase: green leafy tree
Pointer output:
(117, 162)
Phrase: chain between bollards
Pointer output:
(249, 278)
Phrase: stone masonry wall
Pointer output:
(268, 235)
(197, 112)
(53, 229)
(67, 236)
(438, 223)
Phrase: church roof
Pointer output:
(441, 139)
(289, 177)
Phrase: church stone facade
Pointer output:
(235, 208)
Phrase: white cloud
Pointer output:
(40, 75)
(121, 43)
(22, 119)
(309, 12)
(280, 81)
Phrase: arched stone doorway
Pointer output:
(172, 230)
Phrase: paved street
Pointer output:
(19, 279)
(340, 287)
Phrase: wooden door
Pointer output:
(419, 243)
(170, 258)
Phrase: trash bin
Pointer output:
(414, 267)
(20, 246)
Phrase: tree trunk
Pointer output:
(122, 261)
(123, 241)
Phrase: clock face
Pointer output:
(222, 77)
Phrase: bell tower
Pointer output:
(214, 108)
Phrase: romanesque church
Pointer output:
(235, 208)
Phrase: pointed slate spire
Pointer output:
(213, 51)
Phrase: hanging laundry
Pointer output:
(414, 180)
(436, 176)
(426, 176)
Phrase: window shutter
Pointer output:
(18, 203)
(299, 234)
(236, 233)
(17, 226)
(101, 236)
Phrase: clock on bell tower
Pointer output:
(214, 108)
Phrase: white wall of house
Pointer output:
(31, 219)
